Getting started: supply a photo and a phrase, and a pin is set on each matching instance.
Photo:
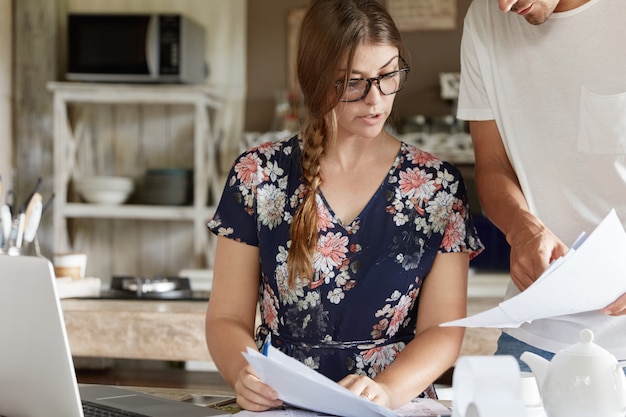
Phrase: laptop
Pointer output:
(37, 376)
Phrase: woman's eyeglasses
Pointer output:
(390, 83)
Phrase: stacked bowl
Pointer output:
(166, 186)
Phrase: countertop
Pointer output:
(175, 330)
(136, 329)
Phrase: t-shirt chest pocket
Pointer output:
(602, 123)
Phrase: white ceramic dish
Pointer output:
(110, 197)
(105, 189)
(108, 183)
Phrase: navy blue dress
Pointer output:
(361, 309)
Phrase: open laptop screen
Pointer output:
(37, 376)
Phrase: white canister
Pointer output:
(71, 265)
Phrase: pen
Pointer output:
(267, 344)
(32, 222)
(5, 215)
(10, 203)
(33, 201)
(19, 234)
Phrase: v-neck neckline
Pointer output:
(349, 227)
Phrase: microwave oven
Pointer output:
(143, 48)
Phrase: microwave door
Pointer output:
(152, 47)
(110, 47)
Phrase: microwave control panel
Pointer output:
(169, 49)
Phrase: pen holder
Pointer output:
(26, 249)
(11, 251)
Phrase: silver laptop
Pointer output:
(37, 376)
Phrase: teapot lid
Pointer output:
(586, 347)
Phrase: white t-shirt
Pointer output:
(558, 94)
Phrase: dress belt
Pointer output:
(278, 338)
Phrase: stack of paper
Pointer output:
(589, 277)
(300, 386)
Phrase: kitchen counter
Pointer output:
(485, 291)
(136, 329)
(174, 330)
(199, 396)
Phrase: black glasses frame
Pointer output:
(406, 69)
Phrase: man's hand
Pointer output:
(616, 308)
(533, 247)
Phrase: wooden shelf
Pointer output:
(132, 211)
(201, 106)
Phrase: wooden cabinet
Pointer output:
(162, 126)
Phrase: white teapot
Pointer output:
(582, 380)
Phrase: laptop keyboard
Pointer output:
(98, 410)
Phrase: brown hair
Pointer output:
(331, 31)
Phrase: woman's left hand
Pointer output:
(367, 388)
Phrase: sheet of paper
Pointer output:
(301, 386)
(423, 407)
(419, 407)
(588, 278)
(282, 412)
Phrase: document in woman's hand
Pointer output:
(302, 387)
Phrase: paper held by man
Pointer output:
(589, 277)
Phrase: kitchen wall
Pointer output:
(431, 52)
(225, 25)
(38, 40)
(257, 37)
(6, 50)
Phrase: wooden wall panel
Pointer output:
(122, 140)
(127, 140)
(36, 62)
(6, 94)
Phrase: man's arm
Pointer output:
(533, 246)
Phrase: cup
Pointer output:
(71, 265)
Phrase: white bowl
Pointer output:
(110, 197)
(108, 183)
(105, 189)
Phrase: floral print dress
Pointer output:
(361, 309)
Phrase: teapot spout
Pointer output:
(537, 365)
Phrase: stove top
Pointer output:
(159, 288)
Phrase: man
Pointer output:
(543, 84)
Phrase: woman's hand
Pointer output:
(367, 388)
(253, 394)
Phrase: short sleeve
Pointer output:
(460, 234)
(258, 198)
(473, 102)
(235, 214)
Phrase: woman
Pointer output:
(337, 230)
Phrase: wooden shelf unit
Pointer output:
(205, 104)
